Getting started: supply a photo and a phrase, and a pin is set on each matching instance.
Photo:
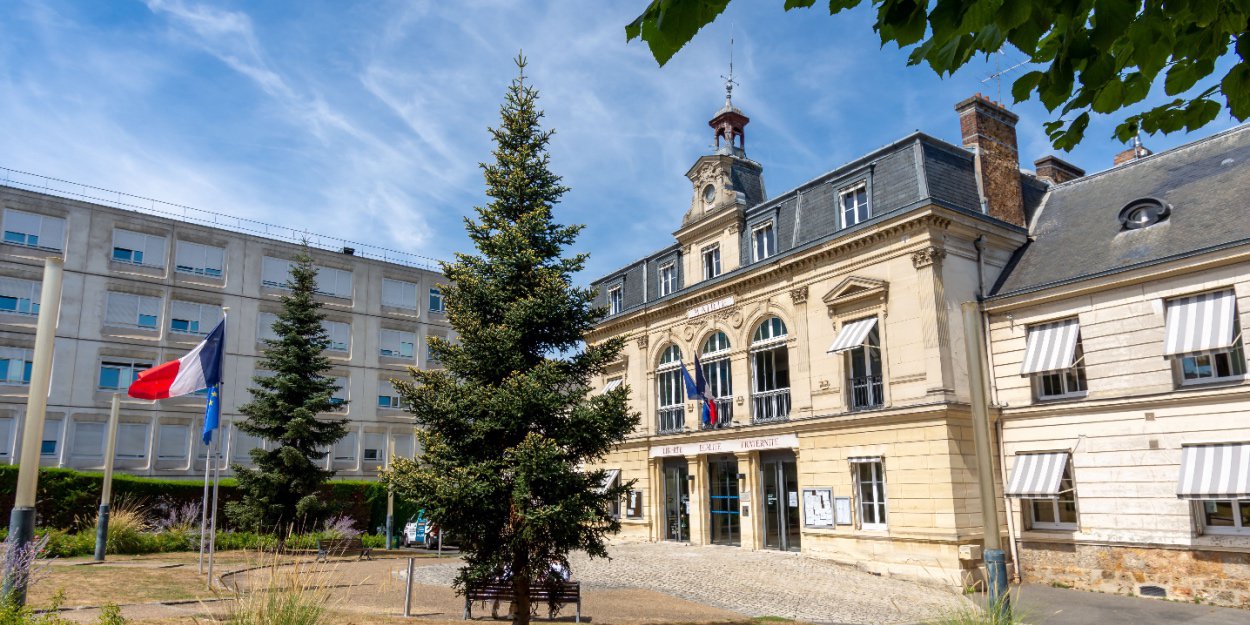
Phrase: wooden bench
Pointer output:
(568, 592)
(343, 546)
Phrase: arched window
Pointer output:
(770, 372)
(670, 391)
(717, 371)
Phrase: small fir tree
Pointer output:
(508, 423)
(280, 490)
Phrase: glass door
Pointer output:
(676, 502)
(723, 502)
(780, 481)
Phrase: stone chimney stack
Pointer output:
(989, 131)
(1056, 170)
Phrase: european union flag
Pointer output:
(212, 413)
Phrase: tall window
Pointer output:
(763, 242)
(199, 259)
(716, 370)
(15, 367)
(396, 343)
(116, 375)
(264, 327)
(399, 294)
(1065, 382)
(863, 367)
(671, 391)
(1229, 516)
(340, 334)
(275, 272)
(668, 279)
(137, 248)
(436, 300)
(34, 230)
(388, 397)
(339, 396)
(20, 297)
(51, 434)
(616, 300)
(132, 441)
(711, 262)
(125, 310)
(193, 318)
(1058, 513)
(870, 486)
(770, 372)
(172, 441)
(854, 205)
(334, 282)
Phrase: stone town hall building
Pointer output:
(827, 323)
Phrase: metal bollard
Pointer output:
(408, 590)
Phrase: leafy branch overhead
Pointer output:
(1092, 56)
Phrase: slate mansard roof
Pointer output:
(1077, 234)
(915, 171)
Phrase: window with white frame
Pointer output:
(15, 366)
(264, 327)
(345, 448)
(870, 490)
(172, 441)
(616, 300)
(340, 334)
(1054, 359)
(403, 446)
(193, 318)
(275, 272)
(399, 294)
(117, 374)
(137, 248)
(671, 394)
(373, 447)
(339, 396)
(1203, 338)
(436, 300)
(88, 439)
(132, 441)
(127, 310)
(1055, 513)
(1226, 516)
(770, 372)
(396, 343)
(430, 356)
(199, 259)
(865, 383)
(1065, 383)
(33, 230)
(51, 434)
(388, 397)
(19, 297)
(334, 282)
(711, 262)
(763, 242)
(854, 202)
(718, 373)
(668, 279)
(6, 439)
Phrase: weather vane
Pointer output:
(729, 80)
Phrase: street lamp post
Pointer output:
(106, 490)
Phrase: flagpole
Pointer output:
(106, 489)
(204, 508)
(212, 537)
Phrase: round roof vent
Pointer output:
(1144, 212)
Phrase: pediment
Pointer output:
(855, 290)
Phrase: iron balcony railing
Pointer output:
(724, 414)
(770, 406)
(671, 419)
(865, 392)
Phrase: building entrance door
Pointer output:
(780, 479)
(676, 502)
(723, 501)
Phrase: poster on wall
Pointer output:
(633, 504)
(842, 510)
(818, 507)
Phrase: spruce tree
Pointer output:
(280, 491)
(508, 425)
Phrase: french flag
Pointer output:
(199, 369)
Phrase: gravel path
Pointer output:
(756, 583)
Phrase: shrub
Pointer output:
(289, 595)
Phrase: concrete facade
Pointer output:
(142, 289)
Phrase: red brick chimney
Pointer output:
(1056, 170)
(989, 131)
(1137, 151)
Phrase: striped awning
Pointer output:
(609, 480)
(853, 335)
(1037, 476)
(1051, 347)
(1215, 471)
(863, 459)
(611, 386)
(1200, 323)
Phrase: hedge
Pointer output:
(65, 496)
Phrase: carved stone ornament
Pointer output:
(690, 329)
(927, 256)
(799, 295)
(642, 342)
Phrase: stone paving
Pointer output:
(754, 583)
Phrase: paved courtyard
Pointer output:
(752, 583)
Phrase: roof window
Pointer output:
(1144, 212)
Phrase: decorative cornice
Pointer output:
(928, 256)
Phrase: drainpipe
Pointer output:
(995, 559)
(979, 243)
(1011, 517)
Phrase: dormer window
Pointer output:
(668, 279)
(1145, 212)
(711, 262)
(854, 202)
(616, 300)
(763, 242)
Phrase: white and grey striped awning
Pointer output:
(1037, 476)
(1200, 323)
(1215, 471)
(609, 480)
(611, 386)
(1051, 347)
(853, 335)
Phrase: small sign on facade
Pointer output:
(842, 510)
(760, 443)
(710, 307)
(818, 507)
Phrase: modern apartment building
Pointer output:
(141, 289)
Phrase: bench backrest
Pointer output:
(341, 544)
(566, 591)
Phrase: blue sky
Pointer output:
(368, 120)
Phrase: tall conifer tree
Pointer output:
(508, 424)
(281, 490)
